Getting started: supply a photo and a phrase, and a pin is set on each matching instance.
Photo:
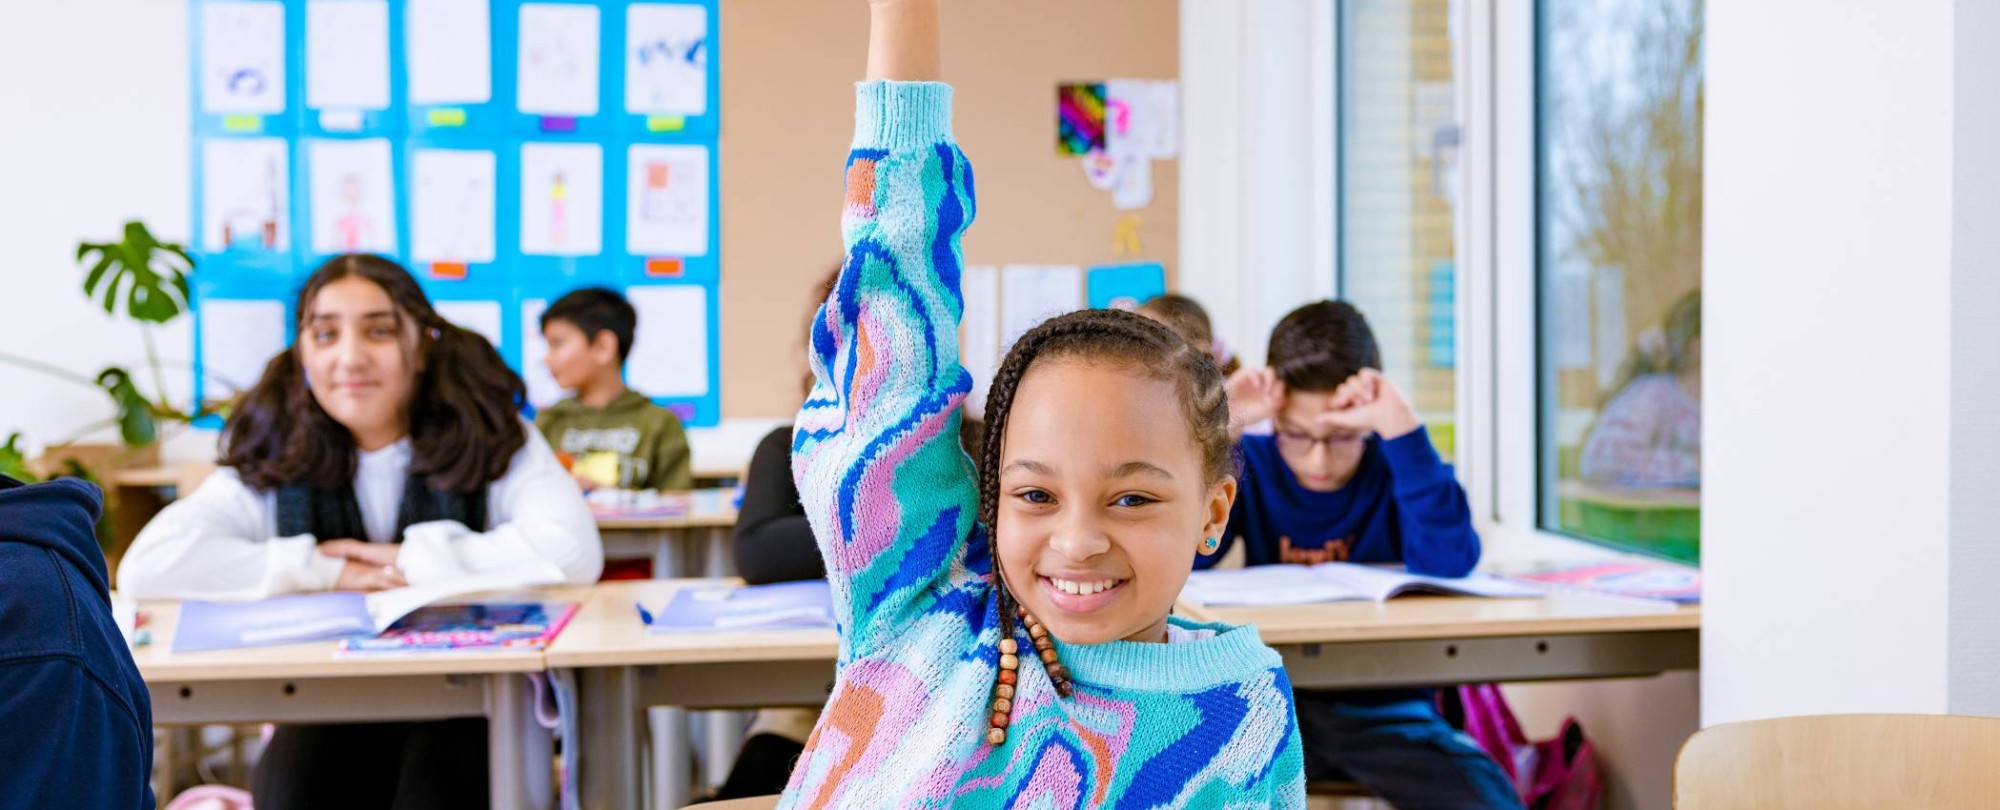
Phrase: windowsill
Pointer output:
(1511, 551)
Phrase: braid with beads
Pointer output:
(1100, 335)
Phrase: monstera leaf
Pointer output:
(135, 415)
(14, 460)
(147, 275)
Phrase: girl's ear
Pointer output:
(1221, 497)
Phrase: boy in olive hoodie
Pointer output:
(608, 435)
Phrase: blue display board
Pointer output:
(506, 151)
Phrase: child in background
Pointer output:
(611, 435)
(1187, 317)
(1004, 634)
(1349, 474)
(384, 448)
(1649, 435)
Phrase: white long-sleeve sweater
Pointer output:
(220, 542)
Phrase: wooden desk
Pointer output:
(622, 668)
(1348, 645)
(670, 542)
(311, 683)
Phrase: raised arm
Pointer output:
(876, 452)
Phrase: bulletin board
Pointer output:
(506, 151)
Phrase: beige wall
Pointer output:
(787, 73)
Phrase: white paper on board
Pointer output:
(452, 206)
(558, 60)
(238, 338)
(1142, 118)
(670, 349)
(347, 54)
(1134, 188)
(666, 200)
(480, 317)
(1030, 294)
(246, 194)
(666, 59)
(542, 388)
(562, 199)
(352, 191)
(450, 51)
(980, 351)
(243, 58)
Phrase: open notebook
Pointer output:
(327, 616)
(783, 606)
(1333, 582)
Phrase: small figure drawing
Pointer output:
(256, 222)
(558, 209)
(352, 226)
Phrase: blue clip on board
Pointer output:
(347, 63)
(451, 57)
(561, 67)
(240, 67)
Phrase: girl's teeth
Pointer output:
(1084, 588)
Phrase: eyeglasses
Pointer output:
(1304, 443)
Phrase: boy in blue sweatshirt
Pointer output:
(77, 719)
(1348, 474)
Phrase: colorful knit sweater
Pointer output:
(1192, 724)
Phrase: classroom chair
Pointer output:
(1841, 761)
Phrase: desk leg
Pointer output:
(667, 556)
(517, 748)
(608, 773)
(721, 563)
(723, 737)
(672, 774)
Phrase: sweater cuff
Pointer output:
(1412, 460)
(427, 555)
(901, 116)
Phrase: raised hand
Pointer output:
(1368, 401)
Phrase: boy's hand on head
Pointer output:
(1255, 394)
(1368, 401)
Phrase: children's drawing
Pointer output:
(670, 349)
(237, 339)
(450, 51)
(353, 202)
(246, 191)
(243, 58)
(666, 59)
(452, 207)
(666, 212)
(558, 60)
(347, 54)
(1079, 119)
(562, 199)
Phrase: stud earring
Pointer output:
(1211, 544)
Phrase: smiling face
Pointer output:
(359, 354)
(1103, 500)
(1323, 458)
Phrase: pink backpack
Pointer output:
(1554, 774)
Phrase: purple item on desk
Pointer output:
(283, 620)
(783, 606)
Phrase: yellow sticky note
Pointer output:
(665, 123)
(447, 117)
(243, 123)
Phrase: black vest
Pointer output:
(334, 514)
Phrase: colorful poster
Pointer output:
(246, 194)
(242, 58)
(452, 206)
(666, 206)
(1079, 118)
(558, 60)
(562, 199)
(353, 197)
(666, 59)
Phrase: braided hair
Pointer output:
(1127, 341)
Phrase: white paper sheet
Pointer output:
(558, 60)
(1335, 582)
(246, 194)
(666, 59)
(347, 54)
(243, 58)
(562, 199)
(1133, 187)
(1030, 294)
(452, 206)
(238, 338)
(666, 201)
(542, 388)
(352, 188)
(482, 317)
(980, 351)
(670, 349)
(1142, 118)
(450, 51)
